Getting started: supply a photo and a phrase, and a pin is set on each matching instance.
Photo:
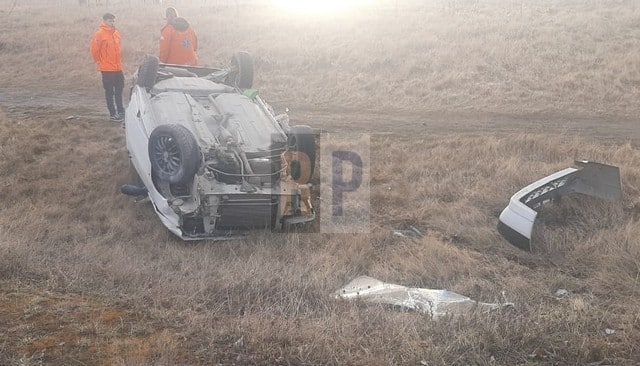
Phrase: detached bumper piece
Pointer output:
(590, 178)
(432, 302)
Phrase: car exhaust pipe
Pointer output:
(131, 190)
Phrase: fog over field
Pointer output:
(460, 104)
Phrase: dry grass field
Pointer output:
(465, 102)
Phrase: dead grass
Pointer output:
(70, 241)
(87, 276)
(514, 56)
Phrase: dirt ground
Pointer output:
(613, 129)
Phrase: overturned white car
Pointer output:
(211, 155)
(592, 179)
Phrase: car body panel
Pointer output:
(432, 302)
(594, 179)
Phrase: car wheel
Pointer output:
(148, 71)
(174, 154)
(302, 139)
(241, 71)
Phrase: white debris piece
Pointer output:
(561, 293)
(412, 232)
(434, 303)
(239, 343)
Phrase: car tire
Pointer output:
(148, 72)
(301, 138)
(174, 154)
(241, 71)
(134, 177)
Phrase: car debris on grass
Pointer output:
(591, 178)
(434, 303)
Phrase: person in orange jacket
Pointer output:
(178, 41)
(106, 52)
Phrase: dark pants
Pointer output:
(113, 83)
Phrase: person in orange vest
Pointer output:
(106, 52)
(178, 41)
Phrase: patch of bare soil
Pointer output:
(23, 104)
(90, 105)
(412, 123)
(39, 327)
